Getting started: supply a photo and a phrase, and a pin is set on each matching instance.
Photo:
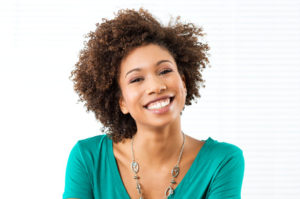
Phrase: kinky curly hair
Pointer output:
(96, 73)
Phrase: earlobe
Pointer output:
(123, 106)
(184, 85)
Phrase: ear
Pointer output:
(183, 80)
(123, 105)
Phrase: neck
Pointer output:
(157, 149)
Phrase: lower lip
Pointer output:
(161, 110)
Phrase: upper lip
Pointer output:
(159, 98)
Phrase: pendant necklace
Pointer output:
(174, 172)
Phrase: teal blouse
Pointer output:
(92, 173)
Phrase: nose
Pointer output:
(155, 85)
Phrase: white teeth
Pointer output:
(159, 104)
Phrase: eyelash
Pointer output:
(163, 72)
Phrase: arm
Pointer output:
(227, 183)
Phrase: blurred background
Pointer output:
(251, 99)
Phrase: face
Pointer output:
(153, 92)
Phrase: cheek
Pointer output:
(182, 90)
(131, 97)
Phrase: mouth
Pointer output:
(160, 104)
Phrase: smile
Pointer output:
(161, 106)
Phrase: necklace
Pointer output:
(175, 171)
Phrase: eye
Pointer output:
(166, 71)
(135, 80)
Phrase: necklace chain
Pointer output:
(175, 171)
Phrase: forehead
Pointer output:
(145, 56)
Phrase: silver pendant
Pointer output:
(138, 187)
(175, 171)
(169, 191)
(134, 166)
(173, 181)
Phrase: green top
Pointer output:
(92, 173)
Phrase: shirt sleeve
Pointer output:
(227, 183)
(77, 180)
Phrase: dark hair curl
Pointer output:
(96, 73)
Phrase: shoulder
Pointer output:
(224, 152)
(88, 151)
(227, 163)
(226, 158)
(90, 148)
(224, 148)
(91, 142)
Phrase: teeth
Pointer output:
(159, 104)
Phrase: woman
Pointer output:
(137, 75)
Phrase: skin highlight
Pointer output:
(97, 71)
(158, 135)
(127, 62)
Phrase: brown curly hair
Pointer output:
(97, 71)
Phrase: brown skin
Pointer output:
(158, 135)
(144, 85)
(97, 71)
(100, 83)
(149, 177)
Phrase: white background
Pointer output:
(251, 99)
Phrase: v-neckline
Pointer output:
(117, 175)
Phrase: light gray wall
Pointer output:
(251, 97)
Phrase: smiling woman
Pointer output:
(159, 82)
(137, 75)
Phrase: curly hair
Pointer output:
(96, 73)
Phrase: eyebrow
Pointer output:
(139, 69)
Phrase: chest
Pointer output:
(153, 184)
